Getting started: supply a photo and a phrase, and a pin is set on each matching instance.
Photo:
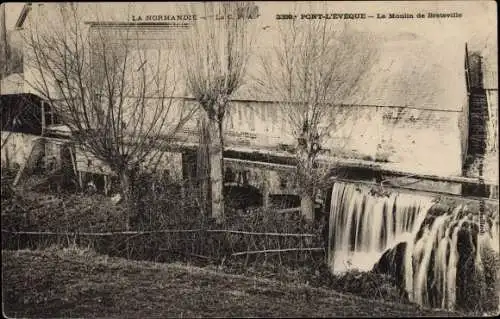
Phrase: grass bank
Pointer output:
(79, 283)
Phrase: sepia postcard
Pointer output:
(249, 159)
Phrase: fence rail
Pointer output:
(156, 231)
(252, 252)
(250, 246)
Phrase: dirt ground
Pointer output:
(78, 283)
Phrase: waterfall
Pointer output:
(420, 284)
(363, 226)
(438, 241)
(452, 269)
(442, 242)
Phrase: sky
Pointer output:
(477, 15)
(477, 26)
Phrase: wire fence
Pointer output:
(168, 225)
(216, 245)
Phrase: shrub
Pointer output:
(368, 284)
(488, 300)
(162, 204)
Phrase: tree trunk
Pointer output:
(216, 170)
(307, 206)
(203, 166)
(125, 184)
(306, 172)
(126, 188)
(265, 190)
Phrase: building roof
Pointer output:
(410, 72)
(416, 73)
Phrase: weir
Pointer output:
(433, 250)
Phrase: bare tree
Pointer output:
(113, 91)
(216, 51)
(313, 69)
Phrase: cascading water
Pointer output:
(439, 243)
(447, 243)
(363, 226)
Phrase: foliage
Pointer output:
(489, 300)
(158, 209)
(31, 211)
(35, 211)
(369, 285)
(480, 282)
(82, 214)
(8, 176)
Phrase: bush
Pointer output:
(162, 207)
(367, 284)
(163, 204)
(31, 211)
(488, 300)
(159, 204)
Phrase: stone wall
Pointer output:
(276, 180)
